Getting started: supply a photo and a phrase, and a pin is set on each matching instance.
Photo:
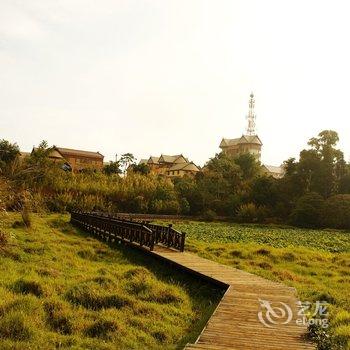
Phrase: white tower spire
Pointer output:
(251, 116)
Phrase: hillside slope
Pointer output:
(60, 289)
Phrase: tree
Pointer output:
(344, 184)
(249, 165)
(219, 184)
(8, 153)
(264, 191)
(126, 160)
(187, 189)
(112, 168)
(320, 169)
(142, 168)
(308, 211)
(336, 212)
(325, 163)
(38, 169)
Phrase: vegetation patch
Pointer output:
(28, 287)
(14, 326)
(118, 300)
(3, 240)
(90, 296)
(102, 329)
(315, 262)
(58, 317)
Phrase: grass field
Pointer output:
(60, 289)
(315, 262)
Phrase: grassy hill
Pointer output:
(315, 262)
(60, 289)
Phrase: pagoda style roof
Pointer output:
(79, 153)
(185, 167)
(143, 161)
(274, 169)
(178, 158)
(153, 160)
(243, 139)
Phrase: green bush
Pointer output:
(209, 215)
(28, 287)
(170, 207)
(3, 239)
(336, 213)
(94, 298)
(248, 213)
(13, 326)
(101, 329)
(58, 318)
(308, 211)
(185, 206)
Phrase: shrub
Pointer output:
(308, 211)
(336, 213)
(185, 206)
(209, 215)
(61, 202)
(342, 334)
(263, 251)
(3, 239)
(28, 287)
(58, 318)
(236, 254)
(160, 206)
(14, 327)
(165, 295)
(91, 297)
(320, 336)
(88, 254)
(138, 205)
(139, 281)
(247, 213)
(101, 329)
(25, 213)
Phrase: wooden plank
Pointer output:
(235, 324)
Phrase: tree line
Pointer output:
(314, 192)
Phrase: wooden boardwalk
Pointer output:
(235, 323)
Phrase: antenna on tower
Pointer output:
(251, 116)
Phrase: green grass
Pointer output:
(60, 289)
(315, 262)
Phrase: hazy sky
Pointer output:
(159, 76)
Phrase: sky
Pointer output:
(160, 76)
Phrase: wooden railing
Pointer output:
(141, 233)
(168, 236)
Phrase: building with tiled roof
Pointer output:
(171, 165)
(73, 159)
(79, 160)
(275, 171)
(244, 144)
(249, 143)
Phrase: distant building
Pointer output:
(275, 171)
(249, 143)
(171, 166)
(75, 160)
(80, 160)
(244, 144)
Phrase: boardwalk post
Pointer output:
(182, 245)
